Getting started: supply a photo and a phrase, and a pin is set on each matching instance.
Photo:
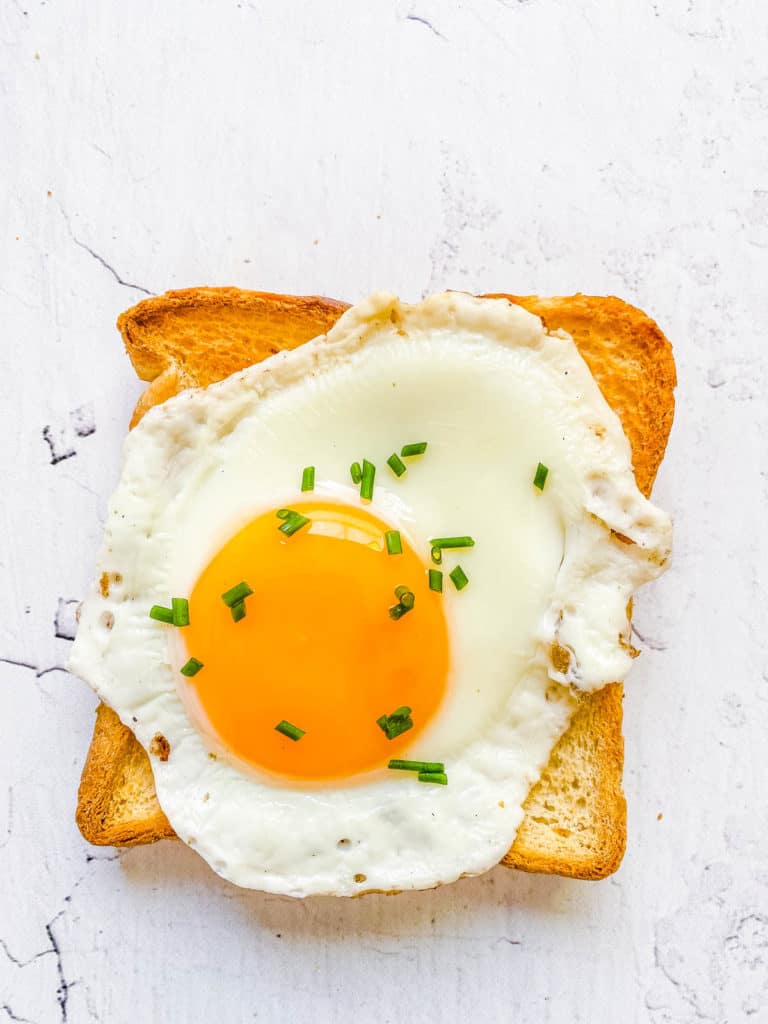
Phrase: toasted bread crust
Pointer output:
(115, 773)
(575, 821)
(206, 334)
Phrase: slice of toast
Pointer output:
(575, 821)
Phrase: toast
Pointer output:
(575, 820)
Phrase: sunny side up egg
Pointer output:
(394, 560)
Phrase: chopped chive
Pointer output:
(396, 464)
(284, 513)
(394, 729)
(180, 611)
(237, 611)
(397, 723)
(191, 668)
(293, 732)
(459, 577)
(452, 542)
(405, 596)
(438, 778)
(437, 556)
(436, 580)
(308, 479)
(293, 524)
(401, 712)
(366, 480)
(416, 766)
(413, 449)
(161, 614)
(236, 594)
(394, 544)
(542, 472)
(397, 611)
(356, 473)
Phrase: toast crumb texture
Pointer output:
(575, 820)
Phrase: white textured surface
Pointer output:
(326, 147)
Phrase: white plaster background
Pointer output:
(542, 146)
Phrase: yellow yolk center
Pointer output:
(317, 646)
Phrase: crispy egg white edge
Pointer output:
(587, 615)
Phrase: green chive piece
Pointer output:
(401, 712)
(459, 577)
(413, 449)
(394, 544)
(397, 611)
(191, 668)
(236, 594)
(394, 729)
(396, 464)
(416, 766)
(436, 580)
(452, 542)
(405, 596)
(308, 479)
(293, 523)
(397, 723)
(366, 480)
(284, 513)
(237, 611)
(542, 472)
(161, 614)
(438, 778)
(356, 473)
(437, 556)
(293, 732)
(180, 609)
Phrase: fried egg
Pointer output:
(396, 554)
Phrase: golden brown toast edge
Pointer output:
(575, 822)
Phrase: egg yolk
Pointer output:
(317, 646)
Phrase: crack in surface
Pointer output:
(17, 961)
(91, 857)
(407, 952)
(655, 645)
(100, 259)
(9, 825)
(39, 672)
(110, 268)
(102, 151)
(62, 992)
(83, 420)
(61, 440)
(60, 449)
(65, 619)
(81, 485)
(427, 24)
(14, 1016)
(53, 949)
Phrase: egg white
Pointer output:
(493, 394)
